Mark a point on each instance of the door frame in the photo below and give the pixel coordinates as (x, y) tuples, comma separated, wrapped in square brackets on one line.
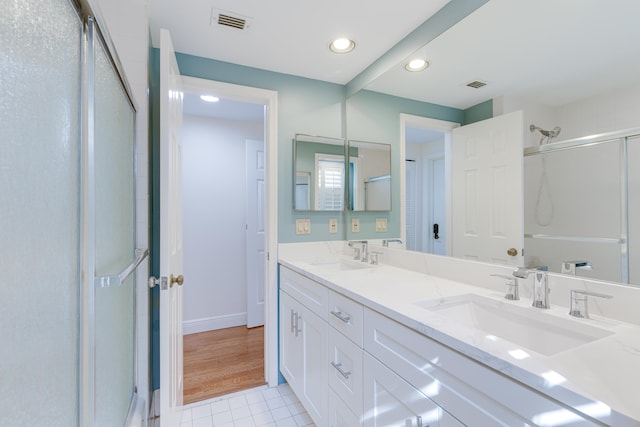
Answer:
[(269, 99), (433, 124)]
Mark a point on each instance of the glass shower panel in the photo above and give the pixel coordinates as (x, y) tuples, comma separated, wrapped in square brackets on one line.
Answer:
[(633, 162), (40, 48), (115, 237), (565, 192)]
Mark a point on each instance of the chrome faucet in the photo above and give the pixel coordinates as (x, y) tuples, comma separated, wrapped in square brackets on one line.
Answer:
[(510, 287), (579, 306), (360, 253), (386, 242), (569, 267), (540, 285)]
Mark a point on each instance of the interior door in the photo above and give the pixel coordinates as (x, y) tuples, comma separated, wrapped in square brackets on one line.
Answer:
[(438, 205), (255, 165), (171, 385), (487, 197)]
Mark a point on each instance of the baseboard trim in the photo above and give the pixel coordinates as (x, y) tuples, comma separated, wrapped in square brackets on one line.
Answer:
[(213, 323)]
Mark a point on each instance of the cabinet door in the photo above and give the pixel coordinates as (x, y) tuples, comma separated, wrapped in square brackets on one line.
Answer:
[(390, 401), (340, 415), (313, 333), (290, 345)]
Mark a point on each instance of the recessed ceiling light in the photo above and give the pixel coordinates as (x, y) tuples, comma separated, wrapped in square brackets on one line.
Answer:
[(209, 98), (342, 45), (417, 65)]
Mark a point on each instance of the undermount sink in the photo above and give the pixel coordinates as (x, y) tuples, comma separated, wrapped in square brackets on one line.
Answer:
[(341, 265), (524, 326)]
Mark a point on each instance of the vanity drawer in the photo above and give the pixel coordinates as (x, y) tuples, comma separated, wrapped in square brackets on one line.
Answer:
[(340, 415), (346, 316), (345, 370), (470, 391), (310, 293)]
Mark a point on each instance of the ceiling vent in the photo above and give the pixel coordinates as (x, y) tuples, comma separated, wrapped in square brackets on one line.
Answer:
[(229, 19), (476, 84)]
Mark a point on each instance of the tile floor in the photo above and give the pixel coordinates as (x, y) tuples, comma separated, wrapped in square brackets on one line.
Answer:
[(257, 407)]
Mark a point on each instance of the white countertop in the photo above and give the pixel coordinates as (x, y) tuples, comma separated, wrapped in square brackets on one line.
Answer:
[(606, 371)]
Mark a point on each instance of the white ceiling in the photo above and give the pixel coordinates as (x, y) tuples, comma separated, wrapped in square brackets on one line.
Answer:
[(551, 52), (291, 36), (224, 109)]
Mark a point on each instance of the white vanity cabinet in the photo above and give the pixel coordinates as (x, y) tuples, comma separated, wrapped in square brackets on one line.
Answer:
[(391, 401), (304, 342), (474, 394)]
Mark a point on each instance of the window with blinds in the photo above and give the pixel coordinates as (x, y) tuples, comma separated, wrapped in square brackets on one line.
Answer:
[(330, 183)]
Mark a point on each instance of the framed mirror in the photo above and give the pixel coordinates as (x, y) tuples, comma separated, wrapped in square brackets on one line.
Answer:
[(319, 173), (369, 173)]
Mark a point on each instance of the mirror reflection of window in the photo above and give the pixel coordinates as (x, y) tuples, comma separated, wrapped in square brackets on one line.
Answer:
[(302, 195), (330, 182)]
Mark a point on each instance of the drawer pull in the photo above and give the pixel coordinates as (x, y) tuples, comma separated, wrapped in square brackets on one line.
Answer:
[(343, 317), (292, 315), (338, 367)]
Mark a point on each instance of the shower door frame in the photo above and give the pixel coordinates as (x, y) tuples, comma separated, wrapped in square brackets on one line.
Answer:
[(95, 32)]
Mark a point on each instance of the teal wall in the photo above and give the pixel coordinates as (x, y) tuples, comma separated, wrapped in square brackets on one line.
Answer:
[(375, 117), (304, 106), (478, 112)]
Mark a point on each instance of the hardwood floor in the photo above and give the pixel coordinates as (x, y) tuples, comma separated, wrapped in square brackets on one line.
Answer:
[(222, 361)]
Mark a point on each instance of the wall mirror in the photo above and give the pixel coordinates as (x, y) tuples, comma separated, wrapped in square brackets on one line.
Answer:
[(369, 176), (501, 58), (319, 173)]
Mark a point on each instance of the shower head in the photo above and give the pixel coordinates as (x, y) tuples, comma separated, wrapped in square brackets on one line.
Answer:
[(547, 133)]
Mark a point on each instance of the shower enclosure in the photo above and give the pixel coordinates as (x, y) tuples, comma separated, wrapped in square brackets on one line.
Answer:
[(67, 220), (582, 203)]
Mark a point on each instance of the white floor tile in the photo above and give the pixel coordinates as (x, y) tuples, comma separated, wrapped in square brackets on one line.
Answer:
[(220, 406), (296, 408), (201, 411), (258, 408), (203, 422), (240, 412), (237, 402), (303, 419), (223, 418), (280, 413), (287, 422), (263, 418), (277, 402), (244, 422)]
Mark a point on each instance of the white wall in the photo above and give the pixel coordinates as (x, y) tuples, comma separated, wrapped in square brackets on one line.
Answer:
[(214, 221)]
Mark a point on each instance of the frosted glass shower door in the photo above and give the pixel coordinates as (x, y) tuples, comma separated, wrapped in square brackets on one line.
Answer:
[(40, 74), (114, 243)]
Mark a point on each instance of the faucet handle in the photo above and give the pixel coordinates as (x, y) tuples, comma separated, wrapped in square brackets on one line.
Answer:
[(373, 257), (579, 302), (511, 287)]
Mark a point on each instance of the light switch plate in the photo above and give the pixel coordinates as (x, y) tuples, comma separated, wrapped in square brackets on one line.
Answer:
[(355, 225), (303, 226), (381, 225), (333, 225)]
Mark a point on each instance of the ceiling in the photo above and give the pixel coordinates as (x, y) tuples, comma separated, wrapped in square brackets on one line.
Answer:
[(547, 51)]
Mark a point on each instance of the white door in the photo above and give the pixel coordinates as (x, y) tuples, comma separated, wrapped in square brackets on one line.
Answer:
[(487, 203), (255, 165), (171, 385), (411, 204), (438, 205)]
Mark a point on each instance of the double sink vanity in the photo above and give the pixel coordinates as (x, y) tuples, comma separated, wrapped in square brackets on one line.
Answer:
[(421, 340)]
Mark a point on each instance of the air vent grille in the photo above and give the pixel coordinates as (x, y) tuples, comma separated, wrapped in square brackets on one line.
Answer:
[(232, 21), (476, 84)]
